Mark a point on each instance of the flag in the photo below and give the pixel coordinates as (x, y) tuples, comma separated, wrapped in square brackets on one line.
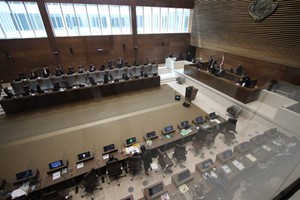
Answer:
[(222, 63)]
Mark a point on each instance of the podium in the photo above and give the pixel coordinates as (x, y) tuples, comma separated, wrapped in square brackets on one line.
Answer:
[(190, 95)]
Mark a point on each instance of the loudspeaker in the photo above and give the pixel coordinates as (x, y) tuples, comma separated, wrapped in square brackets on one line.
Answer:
[(188, 92), (186, 104), (177, 97)]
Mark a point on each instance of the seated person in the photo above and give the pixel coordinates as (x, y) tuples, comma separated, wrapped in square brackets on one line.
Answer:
[(111, 158), (45, 72), (245, 80), (80, 69), (120, 63), (102, 67), (220, 73), (8, 92), (59, 71), (33, 74), (214, 68), (239, 70), (92, 68), (210, 61), (71, 70)]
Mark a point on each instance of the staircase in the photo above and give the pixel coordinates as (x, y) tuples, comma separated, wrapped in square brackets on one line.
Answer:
[(166, 75)]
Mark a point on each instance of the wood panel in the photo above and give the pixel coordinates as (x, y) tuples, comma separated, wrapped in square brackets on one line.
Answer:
[(262, 70), (227, 26)]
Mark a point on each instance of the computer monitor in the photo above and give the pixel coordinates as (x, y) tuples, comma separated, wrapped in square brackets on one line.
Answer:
[(207, 164), (84, 155), (245, 145), (227, 154), (151, 134), (185, 124), (130, 141), (184, 175), (109, 147), (212, 115), (199, 120), (24, 174), (55, 164), (168, 129), (156, 189)]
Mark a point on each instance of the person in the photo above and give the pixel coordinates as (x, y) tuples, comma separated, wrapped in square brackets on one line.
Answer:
[(80, 69), (111, 158), (245, 80), (92, 68), (71, 70), (33, 74), (120, 63), (147, 159), (239, 70)]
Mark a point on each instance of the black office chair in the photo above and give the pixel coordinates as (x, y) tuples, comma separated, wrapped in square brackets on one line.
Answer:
[(165, 162), (134, 166), (198, 142), (230, 131), (90, 182), (179, 154), (114, 171), (55, 195)]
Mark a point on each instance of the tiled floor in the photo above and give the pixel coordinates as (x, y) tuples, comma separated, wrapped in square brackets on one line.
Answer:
[(246, 128)]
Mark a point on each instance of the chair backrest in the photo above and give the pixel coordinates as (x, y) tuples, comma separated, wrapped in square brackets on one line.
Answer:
[(90, 178), (114, 168), (134, 163), (179, 152), (53, 195), (231, 124), (161, 159)]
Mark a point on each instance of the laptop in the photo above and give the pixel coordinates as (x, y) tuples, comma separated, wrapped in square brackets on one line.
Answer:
[(56, 164), (84, 156), (24, 174), (150, 135), (109, 148), (130, 141), (168, 129), (156, 189), (199, 120), (207, 164), (212, 115), (185, 124)]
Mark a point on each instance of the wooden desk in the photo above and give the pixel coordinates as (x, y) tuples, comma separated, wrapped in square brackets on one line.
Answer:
[(223, 85), (27, 103)]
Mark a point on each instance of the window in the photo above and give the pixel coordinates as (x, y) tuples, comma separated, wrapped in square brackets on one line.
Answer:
[(88, 19), (20, 20), (162, 20)]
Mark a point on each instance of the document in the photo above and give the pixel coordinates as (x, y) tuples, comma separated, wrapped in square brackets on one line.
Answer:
[(265, 147), (250, 157), (226, 169), (165, 196), (80, 165), (238, 165), (56, 175), (183, 188), (105, 156), (17, 193)]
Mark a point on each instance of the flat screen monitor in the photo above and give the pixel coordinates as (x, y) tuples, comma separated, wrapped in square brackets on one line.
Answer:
[(207, 164), (184, 124), (245, 145), (156, 189), (24, 175), (151, 134), (199, 120), (131, 141), (168, 129), (56, 164), (184, 175), (84, 155), (212, 115), (109, 147), (227, 154)]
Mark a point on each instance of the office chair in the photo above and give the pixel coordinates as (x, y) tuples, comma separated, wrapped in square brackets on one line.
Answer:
[(90, 182), (114, 171), (134, 166), (179, 154), (54, 195), (165, 162), (197, 144), (230, 130)]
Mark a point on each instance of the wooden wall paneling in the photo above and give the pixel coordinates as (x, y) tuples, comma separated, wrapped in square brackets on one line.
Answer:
[(227, 26), (262, 70)]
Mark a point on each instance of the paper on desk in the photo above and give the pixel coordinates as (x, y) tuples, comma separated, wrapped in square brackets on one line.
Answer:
[(165, 196), (105, 156), (265, 147), (205, 126), (183, 188), (80, 165), (56, 175), (185, 132), (238, 165), (226, 169), (215, 120), (250, 157), (17, 193), (154, 165)]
